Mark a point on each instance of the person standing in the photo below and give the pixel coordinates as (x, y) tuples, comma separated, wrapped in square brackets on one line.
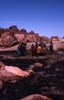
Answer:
[(51, 47), (39, 50)]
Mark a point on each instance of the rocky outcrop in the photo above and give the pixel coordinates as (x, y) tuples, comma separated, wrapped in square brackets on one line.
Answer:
[(23, 31), (55, 38), (14, 28), (12, 36)]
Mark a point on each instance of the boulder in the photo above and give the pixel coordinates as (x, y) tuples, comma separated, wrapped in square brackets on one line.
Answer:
[(7, 76), (36, 67), (12, 73), (37, 64), (16, 71), (36, 97)]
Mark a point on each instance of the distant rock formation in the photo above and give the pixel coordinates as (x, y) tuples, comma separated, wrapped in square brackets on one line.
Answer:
[(13, 28), (55, 38), (23, 31), (12, 36)]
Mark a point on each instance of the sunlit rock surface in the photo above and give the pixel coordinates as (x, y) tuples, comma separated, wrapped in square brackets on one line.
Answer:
[(16, 71)]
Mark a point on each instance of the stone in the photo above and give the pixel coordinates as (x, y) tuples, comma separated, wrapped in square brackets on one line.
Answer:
[(16, 71), (37, 64), (36, 97)]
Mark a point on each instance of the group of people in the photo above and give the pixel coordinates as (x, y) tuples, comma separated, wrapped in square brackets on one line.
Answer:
[(37, 49), (41, 48), (21, 49)]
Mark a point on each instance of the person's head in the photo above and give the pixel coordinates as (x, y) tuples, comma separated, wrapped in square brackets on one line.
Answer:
[(51, 41), (32, 44), (36, 43)]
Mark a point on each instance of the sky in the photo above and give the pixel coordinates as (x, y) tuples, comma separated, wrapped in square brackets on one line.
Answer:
[(45, 17)]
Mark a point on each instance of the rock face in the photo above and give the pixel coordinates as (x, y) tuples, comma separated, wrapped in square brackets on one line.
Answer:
[(46, 39), (7, 40), (9, 36), (19, 37), (30, 38)]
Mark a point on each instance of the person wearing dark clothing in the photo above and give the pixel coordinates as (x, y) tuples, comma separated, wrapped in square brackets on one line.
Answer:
[(18, 51), (23, 49), (33, 50), (51, 47)]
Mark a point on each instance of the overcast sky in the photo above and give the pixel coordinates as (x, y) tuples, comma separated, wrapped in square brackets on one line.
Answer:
[(45, 17)]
